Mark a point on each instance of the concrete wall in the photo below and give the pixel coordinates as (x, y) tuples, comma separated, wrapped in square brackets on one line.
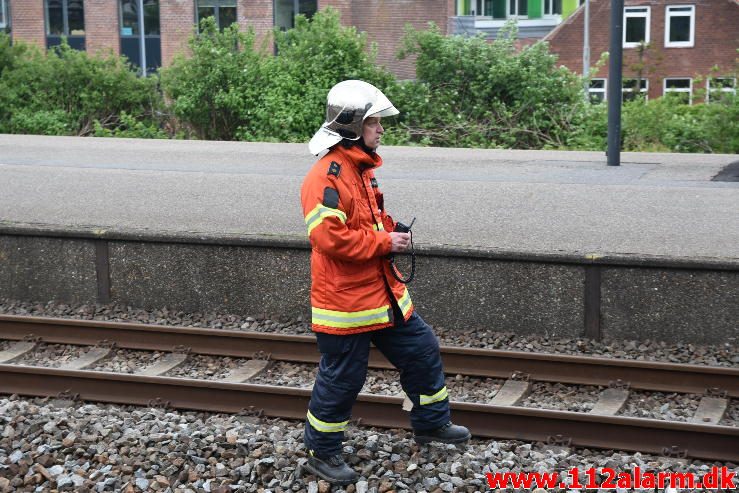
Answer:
[(558, 296)]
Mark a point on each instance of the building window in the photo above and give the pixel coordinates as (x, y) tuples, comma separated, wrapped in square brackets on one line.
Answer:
[(719, 87), (489, 8), (65, 18), (518, 8), (552, 7), (3, 14), (286, 10), (680, 26), (597, 90), (629, 89), (681, 89), (141, 42), (223, 11), (130, 17), (636, 26)]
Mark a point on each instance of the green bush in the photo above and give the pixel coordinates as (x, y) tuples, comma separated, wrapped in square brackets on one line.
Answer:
[(469, 93), (65, 91), (668, 125), (212, 92), (312, 57), (472, 93), (131, 128), (230, 90), (9, 53)]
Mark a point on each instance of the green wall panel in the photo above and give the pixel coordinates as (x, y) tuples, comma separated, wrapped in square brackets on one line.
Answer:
[(499, 9), (535, 8), (568, 7)]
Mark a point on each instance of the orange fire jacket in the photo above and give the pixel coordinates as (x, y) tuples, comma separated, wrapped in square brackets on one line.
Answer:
[(351, 278)]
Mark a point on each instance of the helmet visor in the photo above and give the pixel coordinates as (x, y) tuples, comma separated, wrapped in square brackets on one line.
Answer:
[(381, 107), (382, 113)]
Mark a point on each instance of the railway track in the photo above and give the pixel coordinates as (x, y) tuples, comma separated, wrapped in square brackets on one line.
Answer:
[(600, 428)]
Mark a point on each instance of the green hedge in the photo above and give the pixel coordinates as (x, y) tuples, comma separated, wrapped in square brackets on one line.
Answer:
[(67, 92), (468, 93)]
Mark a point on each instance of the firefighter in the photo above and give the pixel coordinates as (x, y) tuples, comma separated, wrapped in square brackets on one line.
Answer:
[(355, 299)]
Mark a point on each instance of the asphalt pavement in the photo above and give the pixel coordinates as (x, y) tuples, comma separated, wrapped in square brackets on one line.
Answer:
[(520, 201)]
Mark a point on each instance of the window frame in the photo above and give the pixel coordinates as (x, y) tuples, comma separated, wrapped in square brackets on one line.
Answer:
[(65, 21), (603, 91), (721, 89), (644, 91), (689, 90), (5, 22), (633, 13), (121, 34), (550, 12), (216, 5), (517, 4), (679, 44)]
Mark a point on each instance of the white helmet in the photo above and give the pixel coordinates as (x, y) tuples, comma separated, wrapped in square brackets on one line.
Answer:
[(348, 104)]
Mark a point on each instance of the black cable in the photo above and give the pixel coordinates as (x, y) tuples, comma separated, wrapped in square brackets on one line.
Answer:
[(395, 270)]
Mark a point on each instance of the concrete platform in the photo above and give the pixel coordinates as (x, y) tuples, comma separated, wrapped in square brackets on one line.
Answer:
[(528, 241)]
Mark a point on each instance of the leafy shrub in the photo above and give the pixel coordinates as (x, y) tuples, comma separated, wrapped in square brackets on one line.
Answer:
[(9, 53), (311, 58), (472, 93), (64, 91), (213, 92), (667, 125), (131, 128), (230, 90)]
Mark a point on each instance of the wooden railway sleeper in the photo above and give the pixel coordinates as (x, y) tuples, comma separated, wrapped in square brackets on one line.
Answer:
[(159, 403), (675, 452)]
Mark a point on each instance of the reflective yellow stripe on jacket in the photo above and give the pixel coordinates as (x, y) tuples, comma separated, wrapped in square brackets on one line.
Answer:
[(319, 213), (405, 302), (326, 427), (430, 399), (346, 320)]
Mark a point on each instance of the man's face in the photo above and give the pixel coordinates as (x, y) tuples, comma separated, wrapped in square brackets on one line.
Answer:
[(372, 132)]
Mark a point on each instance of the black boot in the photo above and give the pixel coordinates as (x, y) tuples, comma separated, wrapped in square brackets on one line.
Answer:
[(449, 433), (333, 469)]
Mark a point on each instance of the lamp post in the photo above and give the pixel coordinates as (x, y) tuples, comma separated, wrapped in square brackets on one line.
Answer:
[(614, 83), (586, 51), (142, 39)]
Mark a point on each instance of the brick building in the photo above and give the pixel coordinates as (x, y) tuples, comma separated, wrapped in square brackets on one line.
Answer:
[(114, 25), (97, 25), (711, 26), (682, 46)]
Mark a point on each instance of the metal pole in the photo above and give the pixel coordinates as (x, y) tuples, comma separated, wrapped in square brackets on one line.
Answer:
[(142, 39), (586, 51), (614, 83)]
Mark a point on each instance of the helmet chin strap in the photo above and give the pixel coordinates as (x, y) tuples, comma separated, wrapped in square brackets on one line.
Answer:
[(359, 142)]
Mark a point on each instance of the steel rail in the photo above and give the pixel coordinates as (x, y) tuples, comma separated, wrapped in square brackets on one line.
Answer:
[(580, 370), (580, 429)]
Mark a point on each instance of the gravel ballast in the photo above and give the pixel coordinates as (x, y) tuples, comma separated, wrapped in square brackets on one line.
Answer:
[(50, 445), (660, 405), (726, 354)]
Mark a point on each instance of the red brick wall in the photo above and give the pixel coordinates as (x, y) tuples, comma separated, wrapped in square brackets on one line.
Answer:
[(385, 20), (257, 14), (343, 6), (716, 40), (102, 26), (176, 24), (27, 22)]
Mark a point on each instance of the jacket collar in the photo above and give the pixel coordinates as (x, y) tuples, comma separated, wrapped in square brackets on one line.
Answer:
[(357, 156)]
